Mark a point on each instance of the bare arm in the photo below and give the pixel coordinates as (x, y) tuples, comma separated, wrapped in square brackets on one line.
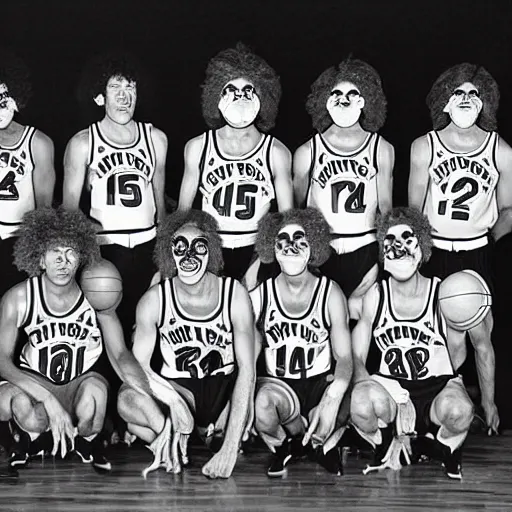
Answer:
[(160, 144), (301, 168), (503, 225), (418, 176), (386, 162), (75, 165), (191, 174), (362, 333), (44, 170), (281, 163)]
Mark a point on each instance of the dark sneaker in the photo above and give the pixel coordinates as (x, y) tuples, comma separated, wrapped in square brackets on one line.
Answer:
[(93, 452), (452, 464), (83, 449), (279, 460), (297, 450), (42, 445), (332, 461), (379, 452)]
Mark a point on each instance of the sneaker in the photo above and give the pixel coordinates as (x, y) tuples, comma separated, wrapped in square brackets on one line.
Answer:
[(281, 457), (297, 450), (452, 464), (379, 452), (83, 449), (331, 461), (93, 452), (42, 445)]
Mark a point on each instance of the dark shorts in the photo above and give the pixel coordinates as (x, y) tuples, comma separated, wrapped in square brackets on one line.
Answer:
[(443, 263), (237, 261), (9, 274), (309, 391), (211, 394), (349, 269)]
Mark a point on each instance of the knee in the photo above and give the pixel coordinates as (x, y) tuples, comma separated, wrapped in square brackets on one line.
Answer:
[(93, 389), (21, 405), (366, 407), (455, 414), (264, 404)]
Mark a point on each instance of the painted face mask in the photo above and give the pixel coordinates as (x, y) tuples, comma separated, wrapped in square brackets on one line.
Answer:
[(7, 107), (239, 103), (345, 104), (292, 250), (190, 253), (464, 105), (402, 252)]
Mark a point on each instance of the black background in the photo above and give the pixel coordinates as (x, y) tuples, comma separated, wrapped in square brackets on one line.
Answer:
[(409, 42)]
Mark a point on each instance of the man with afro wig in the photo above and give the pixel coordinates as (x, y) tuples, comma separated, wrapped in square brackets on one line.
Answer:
[(345, 171), (236, 170), (303, 336)]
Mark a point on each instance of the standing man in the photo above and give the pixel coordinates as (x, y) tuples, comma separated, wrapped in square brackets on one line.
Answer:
[(303, 321), (204, 328), (345, 171), (238, 169), (119, 166), (55, 389), (27, 174), (461, 178)]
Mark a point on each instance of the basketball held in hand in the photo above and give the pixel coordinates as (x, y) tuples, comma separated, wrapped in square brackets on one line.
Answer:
[(102, 285), (465, 299)]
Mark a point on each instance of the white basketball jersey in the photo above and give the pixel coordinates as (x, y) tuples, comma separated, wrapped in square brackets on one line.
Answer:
[(16, 187), (195, 347), (461, 197), (239, 191), (120, 181), (296, 346), (343, 186), (60, 346), (415, 348)]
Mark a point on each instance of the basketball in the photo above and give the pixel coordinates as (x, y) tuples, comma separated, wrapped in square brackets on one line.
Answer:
[(464, 299), (102, 285)]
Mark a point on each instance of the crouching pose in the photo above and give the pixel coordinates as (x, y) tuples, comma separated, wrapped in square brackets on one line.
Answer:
[(416, 390), (55, 390), (302, 319), (204, 328)]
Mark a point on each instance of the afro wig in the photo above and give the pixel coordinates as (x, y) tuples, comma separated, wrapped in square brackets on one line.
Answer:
[(240, 62), (315, 227), (16, 76), (411, 217), (45, 228), (365, 78), (452, 78), (162, 255)]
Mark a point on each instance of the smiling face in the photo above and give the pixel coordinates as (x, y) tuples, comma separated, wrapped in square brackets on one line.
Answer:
[(60, 264), (191, 253), (239, 103), (119, 100), (292, 250), (464, 105), (345, 104), (402, 252), (7, 107)]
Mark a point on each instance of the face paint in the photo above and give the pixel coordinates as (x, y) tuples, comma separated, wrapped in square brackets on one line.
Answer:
[(292, 250), (7, 107), (402, 252), (464, 105), (345, 104), (239, 103), (119, 100), (190, 252)]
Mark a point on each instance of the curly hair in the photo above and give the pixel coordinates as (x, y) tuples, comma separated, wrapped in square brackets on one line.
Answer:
[(162, 255), (315, 227), (365, 78), (45, 228), (413, 218), (452, 78), (16, 76), (100, 69), (240, 62)]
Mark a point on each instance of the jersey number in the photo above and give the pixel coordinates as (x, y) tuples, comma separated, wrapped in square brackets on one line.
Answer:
[(186, 356), (460, 210), (127, 187), (300, 361), (417, 358), (8, 190), (355, 200), (244, 197), (57, 363)]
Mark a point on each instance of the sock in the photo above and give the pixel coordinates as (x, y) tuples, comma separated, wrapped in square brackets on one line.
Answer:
[(452, 441)]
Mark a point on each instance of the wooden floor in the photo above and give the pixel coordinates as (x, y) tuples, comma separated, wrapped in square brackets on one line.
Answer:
[(72, 486)]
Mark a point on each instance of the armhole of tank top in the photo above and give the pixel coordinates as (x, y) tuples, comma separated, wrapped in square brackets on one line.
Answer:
[(383, 296), (91, 144), (204, 151), (29, 138), (494, 150), (146, 129), (227, 290), (375, 156), (431, 145), (438, 319), (269, 142), (162, 300), (312, 154), (263, 308), (31, 298), (325, 301)]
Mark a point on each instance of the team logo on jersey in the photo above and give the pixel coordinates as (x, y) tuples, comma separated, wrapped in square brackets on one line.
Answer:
[(124, 161), (339, 167), (208, 336), (14, 161)]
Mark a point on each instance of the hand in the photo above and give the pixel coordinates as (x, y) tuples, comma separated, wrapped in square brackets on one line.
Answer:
[(492, 418), (323, 420), (61, 426), (221, 465)]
